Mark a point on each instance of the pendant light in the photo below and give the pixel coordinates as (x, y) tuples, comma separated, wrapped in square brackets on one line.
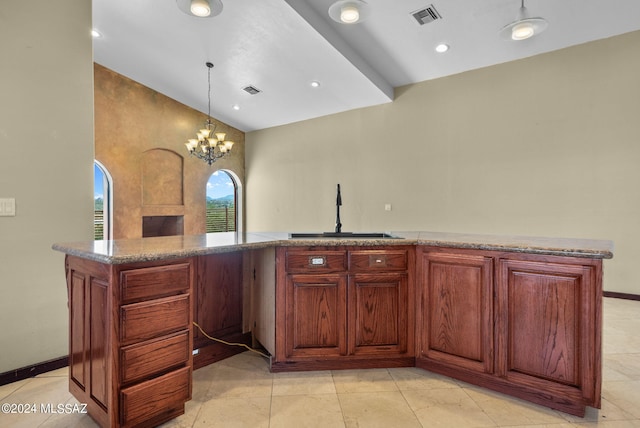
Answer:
[(524, 26)]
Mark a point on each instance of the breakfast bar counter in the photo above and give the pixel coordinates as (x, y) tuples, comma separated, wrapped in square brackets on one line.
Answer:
[(167, 247), (519, 315)]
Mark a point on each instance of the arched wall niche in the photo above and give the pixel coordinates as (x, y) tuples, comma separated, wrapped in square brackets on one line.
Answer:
[(162, 178)]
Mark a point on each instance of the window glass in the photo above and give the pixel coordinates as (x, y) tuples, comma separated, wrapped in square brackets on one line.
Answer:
[(221, 203), (101, 202)]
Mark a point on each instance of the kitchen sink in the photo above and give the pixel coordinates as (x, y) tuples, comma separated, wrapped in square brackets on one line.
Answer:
[(363, 235)]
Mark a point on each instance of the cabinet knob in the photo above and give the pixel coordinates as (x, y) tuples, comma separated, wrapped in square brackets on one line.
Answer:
[(377, 260)]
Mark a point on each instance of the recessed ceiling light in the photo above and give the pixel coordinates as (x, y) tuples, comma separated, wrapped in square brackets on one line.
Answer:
[(349, 11), (200, 8), (235, 107), (442, 47), (315, 84), (95, 34)]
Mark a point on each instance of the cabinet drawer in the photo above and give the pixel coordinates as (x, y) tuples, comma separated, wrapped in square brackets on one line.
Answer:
[(162, 395), (145, 320), (372, 260), (154, 356), (316, 261), (156, 281)]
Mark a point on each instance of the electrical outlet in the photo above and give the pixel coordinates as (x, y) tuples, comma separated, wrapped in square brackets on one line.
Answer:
[(8, 207), (387, 207)]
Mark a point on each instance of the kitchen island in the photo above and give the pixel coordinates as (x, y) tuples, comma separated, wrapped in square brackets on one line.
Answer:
[(519, 315)]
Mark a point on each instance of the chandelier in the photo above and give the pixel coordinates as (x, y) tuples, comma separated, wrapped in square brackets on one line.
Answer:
[(208, 144)]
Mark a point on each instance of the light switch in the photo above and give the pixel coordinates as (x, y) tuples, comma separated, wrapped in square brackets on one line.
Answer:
[(7, 207), (387, 207)]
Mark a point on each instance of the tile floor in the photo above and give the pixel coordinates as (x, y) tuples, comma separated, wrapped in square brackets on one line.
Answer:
[(240, 392)]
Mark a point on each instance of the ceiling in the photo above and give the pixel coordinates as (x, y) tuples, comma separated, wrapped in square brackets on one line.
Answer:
[(281, 46)]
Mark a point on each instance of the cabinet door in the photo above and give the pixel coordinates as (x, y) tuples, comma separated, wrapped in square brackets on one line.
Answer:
[(457, 310), (546, 336), (90, 335), (378, 312), (316, 315)]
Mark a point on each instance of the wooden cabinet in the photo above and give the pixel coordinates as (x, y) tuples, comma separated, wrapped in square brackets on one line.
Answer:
[(141, 360), (522, 324), (91, 359), (155, 342), (317, 309), (548, 327), (345, 307), (313, 304), (456, 310), (143, 313), (156, 400), (378, 314), (379, 299)]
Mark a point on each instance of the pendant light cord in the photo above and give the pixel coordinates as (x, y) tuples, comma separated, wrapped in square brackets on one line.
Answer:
[(210, 65)]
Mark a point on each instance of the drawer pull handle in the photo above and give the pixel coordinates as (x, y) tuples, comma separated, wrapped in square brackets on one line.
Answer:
[(317, 261), (377, 260)]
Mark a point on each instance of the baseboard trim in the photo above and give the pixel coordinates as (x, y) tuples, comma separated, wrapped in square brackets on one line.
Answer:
[(617, 295), (33, 370)]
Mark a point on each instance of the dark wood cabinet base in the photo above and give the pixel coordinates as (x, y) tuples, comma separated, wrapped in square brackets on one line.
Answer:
[(213, 352), (558, 397), (520, 323), (342, 364)]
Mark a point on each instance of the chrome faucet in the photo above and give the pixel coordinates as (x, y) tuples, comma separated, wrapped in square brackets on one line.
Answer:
[(338, 203)]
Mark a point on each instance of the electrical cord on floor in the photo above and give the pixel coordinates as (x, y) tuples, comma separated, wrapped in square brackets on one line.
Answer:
[(230, 343)]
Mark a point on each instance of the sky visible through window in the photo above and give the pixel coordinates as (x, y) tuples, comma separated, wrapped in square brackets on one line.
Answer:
[(219, 185), (98, 182)]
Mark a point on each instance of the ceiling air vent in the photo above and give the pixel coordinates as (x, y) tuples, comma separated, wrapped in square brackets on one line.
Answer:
[(426, 15), (252, 90)]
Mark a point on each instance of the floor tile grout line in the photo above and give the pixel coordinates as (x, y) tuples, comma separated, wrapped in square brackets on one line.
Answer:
[(466, 392), (26, 382), (335, 388), (52, 415), (270, 403), (404, 397)]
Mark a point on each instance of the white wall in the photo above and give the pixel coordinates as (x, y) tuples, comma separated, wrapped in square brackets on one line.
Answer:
[(545, 146), (46, 164)]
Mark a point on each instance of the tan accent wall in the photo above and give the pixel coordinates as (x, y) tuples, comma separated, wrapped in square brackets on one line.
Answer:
[(544, 146), (140, 136)]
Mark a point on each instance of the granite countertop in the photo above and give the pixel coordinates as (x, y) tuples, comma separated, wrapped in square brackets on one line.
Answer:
[(169, 247)]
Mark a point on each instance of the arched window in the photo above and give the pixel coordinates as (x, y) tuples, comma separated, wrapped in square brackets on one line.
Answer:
[(222, 202), (102, 200)]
